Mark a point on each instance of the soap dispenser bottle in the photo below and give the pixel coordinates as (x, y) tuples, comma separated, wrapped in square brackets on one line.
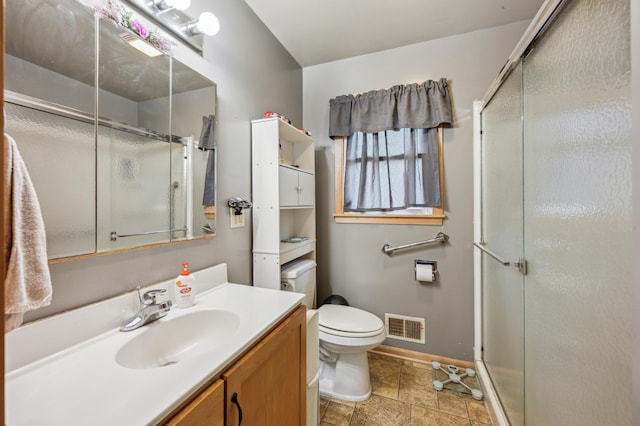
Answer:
[(184, 288)]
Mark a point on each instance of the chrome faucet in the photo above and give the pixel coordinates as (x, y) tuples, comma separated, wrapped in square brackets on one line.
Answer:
[(150, 310)]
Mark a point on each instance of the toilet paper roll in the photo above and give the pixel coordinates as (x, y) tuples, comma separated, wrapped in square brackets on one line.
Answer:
[(424, 272)]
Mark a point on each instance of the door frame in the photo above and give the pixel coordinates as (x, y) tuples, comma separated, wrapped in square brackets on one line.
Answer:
[(497, 413)]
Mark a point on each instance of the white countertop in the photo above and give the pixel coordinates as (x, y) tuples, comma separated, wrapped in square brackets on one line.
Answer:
[(84, 385)]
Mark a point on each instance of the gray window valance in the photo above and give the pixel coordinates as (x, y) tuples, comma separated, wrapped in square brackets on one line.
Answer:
[(413, 106)]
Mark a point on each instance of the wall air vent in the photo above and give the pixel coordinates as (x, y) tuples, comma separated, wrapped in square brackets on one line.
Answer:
[(406, 328)]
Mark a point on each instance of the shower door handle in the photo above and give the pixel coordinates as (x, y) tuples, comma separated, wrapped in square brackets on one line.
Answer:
[(521, 263)]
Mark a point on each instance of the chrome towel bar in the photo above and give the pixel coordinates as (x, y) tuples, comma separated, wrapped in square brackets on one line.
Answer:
[(115, 235), (521, 263), (439, 238)]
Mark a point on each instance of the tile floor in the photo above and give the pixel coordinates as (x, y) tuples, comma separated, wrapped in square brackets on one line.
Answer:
[(403, 394)]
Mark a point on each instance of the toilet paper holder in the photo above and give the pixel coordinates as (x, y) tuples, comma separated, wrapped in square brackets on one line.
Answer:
[(434, 268)]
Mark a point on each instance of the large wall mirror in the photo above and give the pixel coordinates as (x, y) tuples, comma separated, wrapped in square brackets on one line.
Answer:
[(109, 135)]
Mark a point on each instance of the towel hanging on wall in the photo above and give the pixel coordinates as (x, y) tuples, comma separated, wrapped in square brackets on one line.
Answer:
[(28, 280)]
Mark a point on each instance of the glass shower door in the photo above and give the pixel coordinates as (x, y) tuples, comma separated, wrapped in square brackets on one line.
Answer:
[(578, 218), (502, 237)]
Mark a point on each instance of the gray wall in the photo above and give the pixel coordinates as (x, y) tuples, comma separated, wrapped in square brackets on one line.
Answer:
[(635, 84), (254, 73), (350, 262)]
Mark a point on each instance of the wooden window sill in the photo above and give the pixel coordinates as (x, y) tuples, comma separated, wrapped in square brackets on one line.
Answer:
[(390, 219)]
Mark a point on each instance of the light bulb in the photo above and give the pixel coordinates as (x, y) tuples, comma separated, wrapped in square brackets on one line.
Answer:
[(179, 4), (208, 23)]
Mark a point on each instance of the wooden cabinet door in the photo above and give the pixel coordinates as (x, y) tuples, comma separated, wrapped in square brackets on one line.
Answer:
[(206, 410), (268, 385)]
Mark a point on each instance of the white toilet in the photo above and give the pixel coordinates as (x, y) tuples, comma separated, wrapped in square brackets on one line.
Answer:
[(345, 333)]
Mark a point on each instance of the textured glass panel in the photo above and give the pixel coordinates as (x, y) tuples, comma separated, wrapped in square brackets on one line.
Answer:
[(60, 156), (578, 218), (502, 228), (135, 189)]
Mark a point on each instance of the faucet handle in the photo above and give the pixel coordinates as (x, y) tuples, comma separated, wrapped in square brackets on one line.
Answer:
[(149, 297)]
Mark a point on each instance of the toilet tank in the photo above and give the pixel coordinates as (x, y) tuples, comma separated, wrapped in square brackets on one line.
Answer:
[(300, 276)]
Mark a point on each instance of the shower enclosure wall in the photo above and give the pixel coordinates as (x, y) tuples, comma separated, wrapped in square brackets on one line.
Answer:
[(553, 150)]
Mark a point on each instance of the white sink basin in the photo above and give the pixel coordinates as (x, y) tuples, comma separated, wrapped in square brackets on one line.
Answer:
[(167, 342), (196, 345)]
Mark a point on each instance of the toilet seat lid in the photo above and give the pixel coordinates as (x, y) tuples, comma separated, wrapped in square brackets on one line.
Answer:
[(347, 320)]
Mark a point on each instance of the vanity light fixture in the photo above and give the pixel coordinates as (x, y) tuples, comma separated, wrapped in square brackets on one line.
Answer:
[(172, 4), (172, 17), (141, 45), (207, 23)]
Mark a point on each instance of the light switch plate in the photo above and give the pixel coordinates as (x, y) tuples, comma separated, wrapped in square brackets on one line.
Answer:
[(237, 220)]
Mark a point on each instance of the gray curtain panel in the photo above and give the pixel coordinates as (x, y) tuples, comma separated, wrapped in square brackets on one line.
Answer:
[(392, 170), (392, 160)]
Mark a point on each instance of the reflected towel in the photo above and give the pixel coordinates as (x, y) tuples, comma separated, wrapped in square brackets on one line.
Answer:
[(209, 195), (206, 140), (207, 143), (28, 281)]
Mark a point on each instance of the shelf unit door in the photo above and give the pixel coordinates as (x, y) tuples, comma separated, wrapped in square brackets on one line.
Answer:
[(289, 187), (296, 188), (306, 185)]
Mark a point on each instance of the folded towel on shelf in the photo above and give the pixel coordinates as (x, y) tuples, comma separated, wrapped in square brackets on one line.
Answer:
[(28, 281), (294, 240)]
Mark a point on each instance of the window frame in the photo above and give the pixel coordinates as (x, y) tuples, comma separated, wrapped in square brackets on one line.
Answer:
[(436, 218)]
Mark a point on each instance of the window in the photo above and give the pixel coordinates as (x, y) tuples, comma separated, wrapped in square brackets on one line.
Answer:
[(389, 177), (389, 154)]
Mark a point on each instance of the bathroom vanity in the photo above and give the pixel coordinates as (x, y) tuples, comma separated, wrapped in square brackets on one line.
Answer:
[(267, 383), (239, 348)]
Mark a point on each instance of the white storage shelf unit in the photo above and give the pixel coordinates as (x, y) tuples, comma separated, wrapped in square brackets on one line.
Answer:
[(283, 192)]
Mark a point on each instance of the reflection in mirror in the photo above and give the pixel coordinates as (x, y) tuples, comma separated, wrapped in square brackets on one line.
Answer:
[(57, 143), (134, 149), (193, 98), (47, 142), (117, 166)]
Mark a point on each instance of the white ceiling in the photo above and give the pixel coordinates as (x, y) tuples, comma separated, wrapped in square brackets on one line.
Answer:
[(318, 31)]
